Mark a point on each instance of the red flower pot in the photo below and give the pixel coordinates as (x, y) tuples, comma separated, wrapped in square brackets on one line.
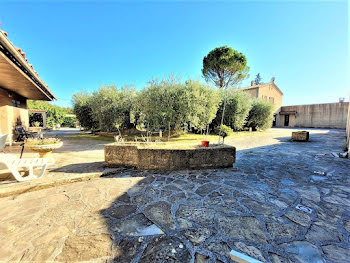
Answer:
[(205, 143)]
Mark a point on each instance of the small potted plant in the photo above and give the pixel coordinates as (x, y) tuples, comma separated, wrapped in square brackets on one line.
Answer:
[(44, 146), (224, 131), (205, 143)]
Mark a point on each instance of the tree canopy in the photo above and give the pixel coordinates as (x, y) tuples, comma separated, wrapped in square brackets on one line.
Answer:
[(170, 102), (261, 115), (225, 66), (82, 109), (167, 104), (238, 105)]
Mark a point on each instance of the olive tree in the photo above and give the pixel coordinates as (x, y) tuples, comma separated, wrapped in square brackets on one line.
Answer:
[(261, 115), (203, 103), (172, 104), (111, 107), (238, 105), (107, 109), (162, 104), (126, 115), (82, 109)]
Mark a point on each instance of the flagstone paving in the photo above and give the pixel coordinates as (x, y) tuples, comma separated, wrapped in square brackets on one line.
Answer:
[(193, 216)]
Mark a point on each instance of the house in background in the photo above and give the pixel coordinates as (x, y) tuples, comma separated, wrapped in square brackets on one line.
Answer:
[(325, 115), (18, 83), (267, 92)]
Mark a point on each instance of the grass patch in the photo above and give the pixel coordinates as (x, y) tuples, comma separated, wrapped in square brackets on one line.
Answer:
[(183, 138), (201, 137)]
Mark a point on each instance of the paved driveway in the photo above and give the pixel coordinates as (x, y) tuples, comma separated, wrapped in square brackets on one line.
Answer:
[(195, 216)]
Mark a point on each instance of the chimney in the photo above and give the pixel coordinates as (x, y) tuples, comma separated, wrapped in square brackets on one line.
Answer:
[(341, 100), (252, 83)]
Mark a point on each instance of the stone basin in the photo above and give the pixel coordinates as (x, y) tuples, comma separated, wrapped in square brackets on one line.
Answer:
[(44, 150), (165, 156), (300, 136)]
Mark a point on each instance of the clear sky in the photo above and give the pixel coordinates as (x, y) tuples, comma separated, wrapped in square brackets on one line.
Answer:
[(82, 45)]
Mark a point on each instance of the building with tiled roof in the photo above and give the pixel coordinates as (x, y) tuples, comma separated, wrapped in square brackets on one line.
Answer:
[(18, 83), (325, 115), (267, 92)]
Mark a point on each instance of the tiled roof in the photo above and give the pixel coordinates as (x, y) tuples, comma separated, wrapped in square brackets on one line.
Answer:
[(29, 67), (262, 85), (20, 51)]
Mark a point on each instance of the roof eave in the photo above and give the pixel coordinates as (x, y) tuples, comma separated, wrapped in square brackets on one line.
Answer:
[(276, 87), (12, 49)]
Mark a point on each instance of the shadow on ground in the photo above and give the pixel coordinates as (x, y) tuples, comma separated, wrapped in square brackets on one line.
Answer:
[(88, 167)]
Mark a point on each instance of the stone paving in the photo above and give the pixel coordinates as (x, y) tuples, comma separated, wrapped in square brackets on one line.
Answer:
[(193, 216)]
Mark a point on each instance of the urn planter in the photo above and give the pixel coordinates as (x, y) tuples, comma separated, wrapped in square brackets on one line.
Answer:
[(44, 150)]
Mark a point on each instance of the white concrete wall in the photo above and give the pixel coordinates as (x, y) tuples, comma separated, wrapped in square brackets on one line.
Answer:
[(328, 115)]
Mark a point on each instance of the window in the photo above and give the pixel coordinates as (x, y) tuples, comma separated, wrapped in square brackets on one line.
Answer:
[(16, 103)]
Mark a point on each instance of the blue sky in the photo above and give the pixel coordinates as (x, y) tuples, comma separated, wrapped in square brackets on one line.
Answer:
[(82, 45)]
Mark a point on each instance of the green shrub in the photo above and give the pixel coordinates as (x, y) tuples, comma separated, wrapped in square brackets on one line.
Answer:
[(237, 109), (223, 129), (69, 121), (83, 111), (261, 115)]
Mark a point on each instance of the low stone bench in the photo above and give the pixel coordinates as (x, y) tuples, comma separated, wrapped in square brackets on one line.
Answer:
[(300, 136), (160, 156)]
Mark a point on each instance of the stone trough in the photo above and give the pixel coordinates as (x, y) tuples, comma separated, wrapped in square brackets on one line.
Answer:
[(300, 136), (163, 156)]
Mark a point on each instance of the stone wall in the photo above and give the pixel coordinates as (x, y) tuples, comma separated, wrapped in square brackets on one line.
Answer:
[(328, 115), (253, 91), (121, 155), (271, 94), (267, 92), (148, 158)]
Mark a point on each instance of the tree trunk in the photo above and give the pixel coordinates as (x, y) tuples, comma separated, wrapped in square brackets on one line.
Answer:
[(169, 132)]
